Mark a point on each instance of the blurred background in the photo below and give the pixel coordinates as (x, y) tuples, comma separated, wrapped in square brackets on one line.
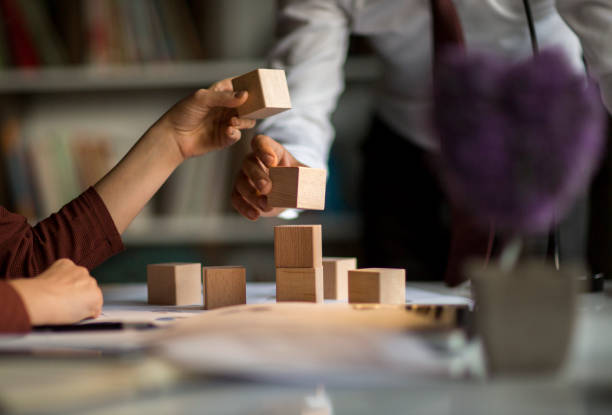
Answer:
[(81, 80)]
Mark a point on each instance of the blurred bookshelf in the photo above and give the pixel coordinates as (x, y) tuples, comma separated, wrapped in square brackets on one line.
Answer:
[(231, 228), (82, 80), (151, 75)]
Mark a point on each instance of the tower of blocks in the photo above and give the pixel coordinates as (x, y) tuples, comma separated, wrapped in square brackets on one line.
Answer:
[(377, 285), (297, 187), (268, 93), (299, 267), (224, 286), (335, 277), (174, 283)]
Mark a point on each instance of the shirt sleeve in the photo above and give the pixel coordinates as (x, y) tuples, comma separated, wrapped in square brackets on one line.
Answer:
[(591, 20), (312, 45), (13, 315), (82, 231)]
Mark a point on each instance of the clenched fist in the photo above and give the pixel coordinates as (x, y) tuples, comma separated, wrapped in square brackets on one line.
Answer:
[(65, 293), (253, 184)]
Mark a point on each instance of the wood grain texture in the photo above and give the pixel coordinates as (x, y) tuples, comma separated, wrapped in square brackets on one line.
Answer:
[(335, 277), (268, 93), (224, 286), (174, 283), (297, 187), (299, 284), (298, 246), (377, 285)]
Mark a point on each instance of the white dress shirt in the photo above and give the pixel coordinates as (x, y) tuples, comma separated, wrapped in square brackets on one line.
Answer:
[(313, 43)]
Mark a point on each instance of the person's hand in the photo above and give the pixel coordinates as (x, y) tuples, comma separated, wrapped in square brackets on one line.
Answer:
[(63, 294), (253, 184), (207, 119)]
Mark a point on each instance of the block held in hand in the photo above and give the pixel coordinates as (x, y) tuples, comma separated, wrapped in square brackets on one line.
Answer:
[(297, 187), (268, 93)]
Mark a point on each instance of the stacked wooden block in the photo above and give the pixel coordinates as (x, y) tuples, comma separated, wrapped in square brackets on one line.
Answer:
[(299, 267), (335, 276), (179, 283)]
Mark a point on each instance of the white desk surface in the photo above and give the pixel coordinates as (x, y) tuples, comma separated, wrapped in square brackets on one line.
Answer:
[(142, 383)]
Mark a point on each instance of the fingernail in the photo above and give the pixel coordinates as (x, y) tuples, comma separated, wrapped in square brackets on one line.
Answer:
[(239, 94), (261, 184)]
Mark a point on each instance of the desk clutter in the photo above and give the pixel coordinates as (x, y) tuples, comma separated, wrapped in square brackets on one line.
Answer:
[(302, 273)]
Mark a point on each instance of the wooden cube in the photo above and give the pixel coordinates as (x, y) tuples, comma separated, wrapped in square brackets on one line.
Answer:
[(268, 93), (224, 286), (174, 283), (299, 284), (377, 285), (335, 277), (297, 187), (298, 246)]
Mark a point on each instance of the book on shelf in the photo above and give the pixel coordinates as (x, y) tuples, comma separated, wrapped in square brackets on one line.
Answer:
[(19, 38), (37, 33), (46, 172), (199, 187), (64, 165), (16, 168), (45, 37)]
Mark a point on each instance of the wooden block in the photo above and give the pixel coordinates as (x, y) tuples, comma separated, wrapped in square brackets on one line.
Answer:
[(174, 283), (335, 277), (224, 286), (377, 285), (298, 246), (299, 284), (297, 187), (268, 93)]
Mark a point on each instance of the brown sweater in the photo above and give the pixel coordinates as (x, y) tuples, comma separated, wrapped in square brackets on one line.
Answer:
[(82, 231)]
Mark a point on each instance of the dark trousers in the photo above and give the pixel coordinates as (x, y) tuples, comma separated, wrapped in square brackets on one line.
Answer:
[(406, 215), (407, 218)]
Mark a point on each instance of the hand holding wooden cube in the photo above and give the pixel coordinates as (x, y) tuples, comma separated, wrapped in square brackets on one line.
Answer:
[(268, 93), (297, 187)]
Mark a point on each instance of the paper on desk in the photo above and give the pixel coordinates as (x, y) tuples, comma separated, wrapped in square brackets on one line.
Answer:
[(266, 292), (302, 341), (127, 305), (77, 343), (156, 315), (419, 296)]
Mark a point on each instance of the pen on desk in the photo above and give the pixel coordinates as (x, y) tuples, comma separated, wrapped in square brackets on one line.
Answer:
[(100, 326)]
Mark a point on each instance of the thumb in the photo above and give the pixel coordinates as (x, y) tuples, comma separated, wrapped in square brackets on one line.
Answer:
[(271, 152), (228, 99)]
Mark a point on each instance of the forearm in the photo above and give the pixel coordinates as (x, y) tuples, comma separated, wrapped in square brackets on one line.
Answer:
[(312, 50), (82, 230), (136, 178), (591, 20)]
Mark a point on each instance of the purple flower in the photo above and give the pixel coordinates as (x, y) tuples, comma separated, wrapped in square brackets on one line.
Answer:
[(518, 141)]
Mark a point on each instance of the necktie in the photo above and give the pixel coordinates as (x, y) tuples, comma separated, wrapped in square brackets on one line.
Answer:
[(447, 30), (467, 240)]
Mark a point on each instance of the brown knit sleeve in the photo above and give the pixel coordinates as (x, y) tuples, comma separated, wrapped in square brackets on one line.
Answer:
[(13, 315), (82, 231)]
